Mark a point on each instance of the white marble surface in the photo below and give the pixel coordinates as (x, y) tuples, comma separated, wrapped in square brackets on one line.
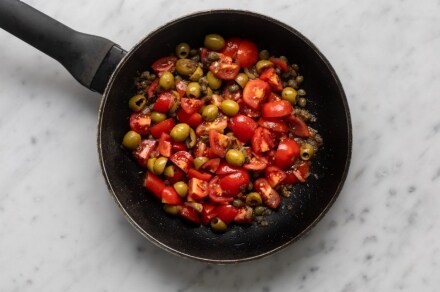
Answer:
[(61, 231)]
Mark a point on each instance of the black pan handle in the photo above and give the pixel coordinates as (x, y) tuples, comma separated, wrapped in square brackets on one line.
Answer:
[(90, 59)]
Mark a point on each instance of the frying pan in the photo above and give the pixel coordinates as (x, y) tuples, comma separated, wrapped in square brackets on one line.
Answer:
[(104, 67)]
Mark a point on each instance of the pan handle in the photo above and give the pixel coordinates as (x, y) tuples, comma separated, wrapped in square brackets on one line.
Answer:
[(90, 59)]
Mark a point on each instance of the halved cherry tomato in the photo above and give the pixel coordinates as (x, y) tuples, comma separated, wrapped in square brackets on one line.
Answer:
[(165, 145), (247, 54), (274, 124), (216, 193), (178, 175), (162, 127), (226, 168), (191, 105), (197, 189), (300, 173), (154, 184), (298, 126), (201, 149), (257, 162), (143, 151), (170, 196), (280, 63), (219, 125), (274, 175), (218, 143), (151, 90), (226, 213), (193, 120), (255, 93), (140, 123), (231, 47), (243, 127), (179, 146), (164, 102), (181, 87), (164, 64), (224, 70), (277, 109), (211, 165), (270, 197), (234, 183), (208, 213), (247, 111), (244, 215), (194, 173), (189, 214), (262, 140), (182, 159), (286, 154), (270, 76)]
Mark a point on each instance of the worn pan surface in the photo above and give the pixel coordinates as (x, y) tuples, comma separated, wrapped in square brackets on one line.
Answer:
[(308, 202)]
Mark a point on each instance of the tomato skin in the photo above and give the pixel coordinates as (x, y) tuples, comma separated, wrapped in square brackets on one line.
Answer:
[(270, 197), (218, 143), (274, 175), (193, 120), (194, 173), (197, 188), (277, 109), (298, 126), (286, 154), (162, 127), (231, 47), (232, 184), (191, 105), (247, 54), (182, 159), (226, 168), (154, 184), (179, 146), (274, 124), (164, 64), (262, 140), (140, 123), (255, 93), (170, 196), (299, 174), (164, 102), (280, 63), (143, 151), (208, 213), (189, 214), (151, 90), (226, 213), (243, 127), (165, 145)]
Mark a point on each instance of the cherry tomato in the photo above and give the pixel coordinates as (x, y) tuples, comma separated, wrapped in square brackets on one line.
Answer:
[(274, 124), (286, 154), (224, 70), (219, 125), (277, 109), (181, 87), (151, 90), (270, 197), (164, 102), (257, 162), (165, 145), (247, 54), (226, 213), (164, 64), (280, 63), (298, 126), (179, 146), (244, 215), (226, 168), (234, 183), (243, 127), (270, 76), (194, 173), (211, 165), (191, 105), (162, 127), (208, 213), (197, 188), (231, 47), (140, 123), (154, 184), (179, 175), (193, 120), (274, 175), (170, 196), (255, 93), (189, 214), (183, 160), (262, 140), (218, 143), (143, 151), (300, 173), (216, 193)]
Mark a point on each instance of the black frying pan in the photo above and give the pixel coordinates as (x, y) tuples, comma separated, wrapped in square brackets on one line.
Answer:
[(102, 66)]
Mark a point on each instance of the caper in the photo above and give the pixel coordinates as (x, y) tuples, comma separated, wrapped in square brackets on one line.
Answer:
[(199, 161), (150, 163), (214, 42), (197, 74), (169, 171), (137, 102), (253, 199), (289, 94), (186, 67), (159, 165), (172, 209), (299, 79), (131, 140), (306, 151), (295, 67), (237, 203), (259, 210), (182, 50), (193, 89), (235, 157), (210, 112), (192, 139), (181, 188), (233, 88), (242, 79), (301, 92), (218, 225), (264, 55), (292, 83), (158, 117), (166, 81), (213, 82), (212, 57), (229, 107), (193, 52), (263, 64), (302, 102), (180, 132)]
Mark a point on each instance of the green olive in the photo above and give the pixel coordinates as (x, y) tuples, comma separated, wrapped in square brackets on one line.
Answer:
[(180, 132), (159, 165), (181, 188), (186, 67), (193, 89), (213, 82), (137, 103), (169, 171), (192, 139), (264, 55), (197, 74), (214, 42), (242, 79), (229, 107), (235, 157), (158, 117), (166, 81), (253, 199), (182, 50), (172, 209), (210, 112), (218, 225), (289, 94), (150, 163), (306, 151), (263, 64), (131, 140)]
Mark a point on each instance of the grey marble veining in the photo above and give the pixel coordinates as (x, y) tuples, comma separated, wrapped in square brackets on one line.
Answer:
[(61, 231)]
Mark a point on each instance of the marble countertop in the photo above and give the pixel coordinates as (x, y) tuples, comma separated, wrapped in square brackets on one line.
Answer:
[(61, 231)]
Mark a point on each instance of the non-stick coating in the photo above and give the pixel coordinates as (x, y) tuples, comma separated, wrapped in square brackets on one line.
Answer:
[(307, 203)]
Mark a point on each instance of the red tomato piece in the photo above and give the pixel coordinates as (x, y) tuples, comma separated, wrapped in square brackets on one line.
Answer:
[(280, 63), (208, 213), (140, 123), (290, 178), (164, 64), (270, 76), (226, 213), (219, 125), (234, 183), (197, 188), (151, 90), (231, 47), (179, 175), (255, 93), (257, 163), (165, 145), (170, 196), (181, 87), (226, 168), (189, 214), (193, 120), (244, 215), (182, 159), (274, 124), (262, 140), (277, 109), (243, 127), (301, 171), (224, 70), (201, 149), (164, 102), (298, 126), (154, 184), (211, 165), (179, 146), (143, 151), (204, 55), (162, 127), (247, 54), (218, 143), (216, 193), (274, 175), (270, 197), (194, 173), (216, 100), (286, 154), (191, 105)]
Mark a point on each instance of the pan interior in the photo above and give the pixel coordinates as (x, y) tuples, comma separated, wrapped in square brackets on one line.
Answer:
[(307, 202)]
